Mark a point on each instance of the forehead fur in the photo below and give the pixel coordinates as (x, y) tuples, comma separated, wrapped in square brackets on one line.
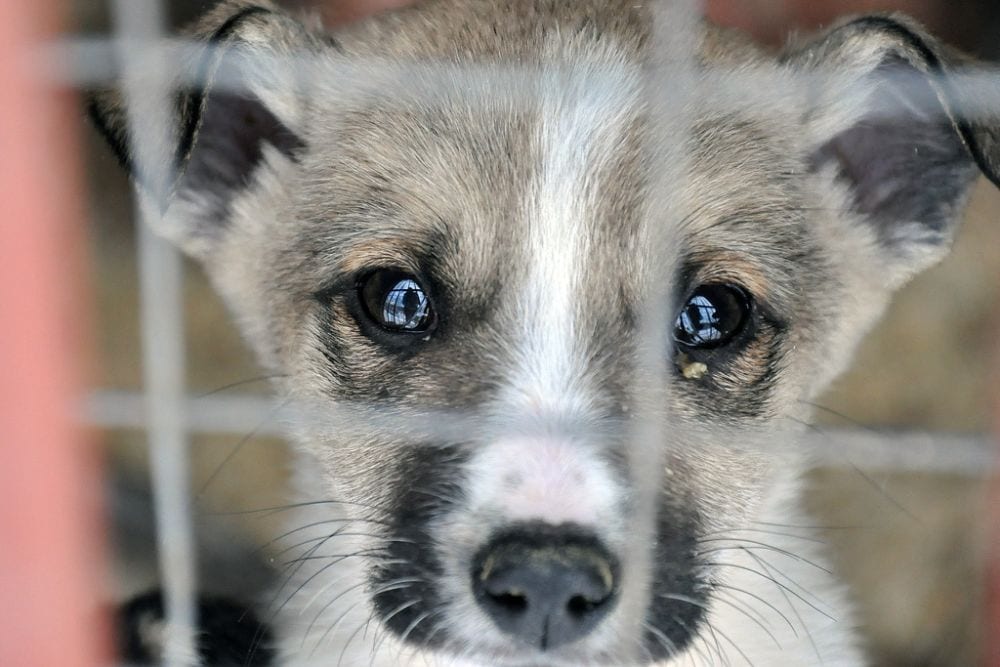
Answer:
[(515, 31), (453, 178), (438, 153)]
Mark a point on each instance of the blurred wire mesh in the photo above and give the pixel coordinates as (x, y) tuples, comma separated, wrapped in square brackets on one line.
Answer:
[(909, 529)]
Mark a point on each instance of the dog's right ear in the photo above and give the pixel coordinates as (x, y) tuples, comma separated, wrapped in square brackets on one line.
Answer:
[(235, 103)]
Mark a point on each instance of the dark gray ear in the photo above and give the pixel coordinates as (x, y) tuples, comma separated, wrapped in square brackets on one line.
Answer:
[(908, 130), (232, 94)]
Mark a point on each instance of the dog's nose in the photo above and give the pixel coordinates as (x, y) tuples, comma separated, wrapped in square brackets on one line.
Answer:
[(545, 585)]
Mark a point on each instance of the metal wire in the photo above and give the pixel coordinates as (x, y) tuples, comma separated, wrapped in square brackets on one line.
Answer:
[(140, 22)]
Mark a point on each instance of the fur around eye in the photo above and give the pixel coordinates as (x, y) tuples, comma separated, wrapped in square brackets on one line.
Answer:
[(396, 301), (712, 316)]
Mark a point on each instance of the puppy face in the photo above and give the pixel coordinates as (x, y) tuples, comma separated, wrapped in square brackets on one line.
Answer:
[(550, 343)]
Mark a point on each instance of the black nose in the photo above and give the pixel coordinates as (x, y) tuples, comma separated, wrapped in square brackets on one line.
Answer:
[(546, 585)]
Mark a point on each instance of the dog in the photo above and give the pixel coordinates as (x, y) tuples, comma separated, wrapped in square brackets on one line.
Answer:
[(551, 285)]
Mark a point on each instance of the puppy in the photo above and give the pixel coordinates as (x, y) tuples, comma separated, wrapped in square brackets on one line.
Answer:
[(550, 286)]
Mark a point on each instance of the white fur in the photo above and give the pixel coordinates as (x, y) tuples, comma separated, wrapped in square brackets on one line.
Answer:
[(579, 127), (800, 616), (549, 479)]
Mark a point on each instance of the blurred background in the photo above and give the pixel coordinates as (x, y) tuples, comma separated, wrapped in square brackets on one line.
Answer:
[(911, 544)]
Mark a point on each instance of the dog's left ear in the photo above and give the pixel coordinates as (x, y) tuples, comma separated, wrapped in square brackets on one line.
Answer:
[(894, 120)]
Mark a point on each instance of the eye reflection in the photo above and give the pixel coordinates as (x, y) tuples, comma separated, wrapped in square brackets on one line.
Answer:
[(396, 301), (712, 316), (700, 319), (406, 306)]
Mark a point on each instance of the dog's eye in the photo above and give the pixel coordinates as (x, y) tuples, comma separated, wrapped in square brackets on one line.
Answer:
[(396, 301), (712, 316)]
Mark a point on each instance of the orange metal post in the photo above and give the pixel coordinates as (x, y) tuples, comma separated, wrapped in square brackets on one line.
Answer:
[(49, 491)]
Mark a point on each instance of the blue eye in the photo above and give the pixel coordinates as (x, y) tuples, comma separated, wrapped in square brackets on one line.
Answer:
[(396, 301), (712, 316)]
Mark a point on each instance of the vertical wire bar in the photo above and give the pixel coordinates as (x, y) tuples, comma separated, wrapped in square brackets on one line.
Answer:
[(991, 631), (668, 87), (50, 561), (139, 24), (163, 360)]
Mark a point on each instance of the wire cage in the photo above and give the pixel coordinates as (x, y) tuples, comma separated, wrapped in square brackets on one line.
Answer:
[(907, 497)]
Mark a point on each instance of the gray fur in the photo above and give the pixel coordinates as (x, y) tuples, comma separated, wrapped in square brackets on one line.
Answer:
[(428, 139)]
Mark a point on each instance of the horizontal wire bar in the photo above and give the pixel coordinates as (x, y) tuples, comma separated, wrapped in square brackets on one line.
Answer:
[(899, 451), (214, 414), (906, 451), (91, 62)]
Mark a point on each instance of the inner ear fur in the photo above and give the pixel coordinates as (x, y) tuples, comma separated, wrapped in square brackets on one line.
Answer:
[(910, 151), (243, 97)]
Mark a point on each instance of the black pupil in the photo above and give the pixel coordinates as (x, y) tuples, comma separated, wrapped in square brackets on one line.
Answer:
[(712, 316), (397, 301)]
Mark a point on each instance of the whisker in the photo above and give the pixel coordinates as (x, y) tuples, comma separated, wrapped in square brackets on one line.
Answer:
[(331, 584), (758, 621), (299, 566), (641, 644), (819, 527), (708, 647), (779, 572), (313, 539), (240, 383), (840, 415), (276, 509), (782, 589), (696, 645), (761, 545), (398, 584), (735, 646), (330, 603), (697, 603), (765, 531), (238, 447), (426, 643), (879, 488), (776, 583), (760, 599), (372, 552), (413, 626), (363, 627), (665, 641)]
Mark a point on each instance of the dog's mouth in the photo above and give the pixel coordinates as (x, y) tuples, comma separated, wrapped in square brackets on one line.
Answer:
[(541, 594), (544, 603)]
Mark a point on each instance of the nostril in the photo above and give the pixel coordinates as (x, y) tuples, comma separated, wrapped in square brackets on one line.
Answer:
[(515, 603), (580, 605)]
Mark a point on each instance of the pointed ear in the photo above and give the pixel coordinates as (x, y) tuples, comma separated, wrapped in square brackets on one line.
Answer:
[(897, 122), (234, 93)]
